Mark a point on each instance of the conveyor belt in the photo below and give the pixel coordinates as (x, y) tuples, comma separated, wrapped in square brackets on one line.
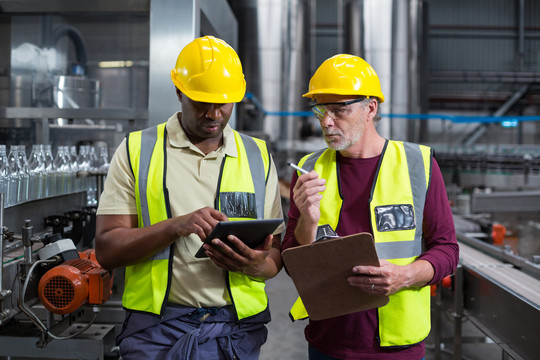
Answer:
[(506, 275), (503, 301)]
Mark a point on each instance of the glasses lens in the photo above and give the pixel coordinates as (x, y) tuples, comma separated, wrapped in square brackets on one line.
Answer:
[(334, 110), (319, 111)]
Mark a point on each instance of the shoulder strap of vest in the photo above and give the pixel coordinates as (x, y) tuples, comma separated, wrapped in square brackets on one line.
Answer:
[(311, 159), (258, 167), (147, 142), (378, 169), (128, 154), (258, 174), (417, 174)]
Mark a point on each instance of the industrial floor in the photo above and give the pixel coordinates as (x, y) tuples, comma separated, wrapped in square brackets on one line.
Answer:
[(286, 339)]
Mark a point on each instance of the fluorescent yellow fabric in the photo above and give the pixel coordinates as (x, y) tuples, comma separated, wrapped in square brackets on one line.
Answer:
[(187, 168), (405, 320), (248, 295), (326, 168), (146, 283)]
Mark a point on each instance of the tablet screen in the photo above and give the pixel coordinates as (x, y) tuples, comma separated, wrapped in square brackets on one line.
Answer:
[(251, 232)]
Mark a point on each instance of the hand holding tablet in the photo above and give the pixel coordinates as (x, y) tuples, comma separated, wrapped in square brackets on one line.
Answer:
[(251, 232)]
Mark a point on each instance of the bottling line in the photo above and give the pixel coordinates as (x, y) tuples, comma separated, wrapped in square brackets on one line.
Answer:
[(76, 76)]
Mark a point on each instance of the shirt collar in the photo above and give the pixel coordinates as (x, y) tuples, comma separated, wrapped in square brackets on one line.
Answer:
[(178, 138)]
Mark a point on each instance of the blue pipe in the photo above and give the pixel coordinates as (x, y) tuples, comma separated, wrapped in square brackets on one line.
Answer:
[(453, 118)]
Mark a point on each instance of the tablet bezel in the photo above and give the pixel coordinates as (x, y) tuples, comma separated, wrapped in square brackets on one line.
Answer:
[(251, 232)]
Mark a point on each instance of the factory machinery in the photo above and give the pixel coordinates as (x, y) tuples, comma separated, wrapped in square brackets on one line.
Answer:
[(54, 292), (76, 73), (494, 192)]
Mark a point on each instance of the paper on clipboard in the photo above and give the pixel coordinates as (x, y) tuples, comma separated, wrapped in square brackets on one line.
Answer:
[(320, 270)]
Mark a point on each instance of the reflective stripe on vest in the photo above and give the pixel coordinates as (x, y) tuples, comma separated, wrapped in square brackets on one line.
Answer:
[(147, 283), (247, 295), (248, 204), (400, 186)]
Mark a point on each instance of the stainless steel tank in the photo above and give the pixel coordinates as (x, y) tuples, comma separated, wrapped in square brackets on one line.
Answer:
[(272, 47), (4, 91), (21, 90), (73, 92)]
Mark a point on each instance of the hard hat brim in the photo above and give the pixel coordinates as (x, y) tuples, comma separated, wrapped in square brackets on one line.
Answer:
[(311, 94), (212, 98)]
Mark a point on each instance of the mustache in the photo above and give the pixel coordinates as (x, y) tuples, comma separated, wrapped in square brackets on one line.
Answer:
[(209, 121), (326, 132)]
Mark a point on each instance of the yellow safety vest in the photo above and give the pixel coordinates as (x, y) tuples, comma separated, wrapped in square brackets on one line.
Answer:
[(396, 208), (240, 195)]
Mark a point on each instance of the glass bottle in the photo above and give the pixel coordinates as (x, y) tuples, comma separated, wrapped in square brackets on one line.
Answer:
[(91, 192), (103, 159), (74, 165), (50, 184), (36, 170), (23, 173), (83, 159), (4, 179), (60, 171), (68, 170), (13, 177)]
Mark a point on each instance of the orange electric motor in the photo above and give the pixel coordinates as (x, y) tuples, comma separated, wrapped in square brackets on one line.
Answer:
[(66, 287)]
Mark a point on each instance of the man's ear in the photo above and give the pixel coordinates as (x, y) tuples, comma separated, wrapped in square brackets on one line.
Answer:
[(372, 109), (178, 94)]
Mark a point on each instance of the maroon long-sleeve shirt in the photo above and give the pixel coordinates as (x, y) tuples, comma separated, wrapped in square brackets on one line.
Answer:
[(355, 336)]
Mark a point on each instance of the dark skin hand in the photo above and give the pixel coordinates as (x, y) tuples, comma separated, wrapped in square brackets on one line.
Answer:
[(260, 263), (119, 242)]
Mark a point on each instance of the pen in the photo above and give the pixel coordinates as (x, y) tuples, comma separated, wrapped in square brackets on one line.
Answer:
[(303, 171)]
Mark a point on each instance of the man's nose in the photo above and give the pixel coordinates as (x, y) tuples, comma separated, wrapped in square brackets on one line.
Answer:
[(327, 120), (214, 112)]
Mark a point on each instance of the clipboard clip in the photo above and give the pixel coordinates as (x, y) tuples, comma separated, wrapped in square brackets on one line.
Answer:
[(325, 232)]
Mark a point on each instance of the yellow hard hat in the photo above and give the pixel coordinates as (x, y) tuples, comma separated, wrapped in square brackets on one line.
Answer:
[(209, 70), (345, 74)]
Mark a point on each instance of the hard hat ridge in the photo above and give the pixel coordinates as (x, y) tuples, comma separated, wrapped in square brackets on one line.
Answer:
[(345, 74), (209, 70)]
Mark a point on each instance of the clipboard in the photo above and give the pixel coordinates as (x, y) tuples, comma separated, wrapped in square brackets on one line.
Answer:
[(320, 270)]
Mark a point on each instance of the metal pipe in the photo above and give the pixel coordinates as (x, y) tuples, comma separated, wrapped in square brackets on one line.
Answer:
[(340, 26), (353, 29), (458, 311), (521, 35), (27, 241), (1, 241), (437, 322), (481, 129), (312, 36)]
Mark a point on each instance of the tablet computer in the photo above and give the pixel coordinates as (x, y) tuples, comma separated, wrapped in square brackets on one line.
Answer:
[(251, 232)]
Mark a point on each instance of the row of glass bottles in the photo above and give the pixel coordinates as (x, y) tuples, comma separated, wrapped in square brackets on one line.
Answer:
[(43, 175)]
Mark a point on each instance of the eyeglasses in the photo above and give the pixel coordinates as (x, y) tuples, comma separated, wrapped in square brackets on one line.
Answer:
[(335, 110)]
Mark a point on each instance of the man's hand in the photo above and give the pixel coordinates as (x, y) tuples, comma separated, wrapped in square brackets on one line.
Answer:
[(119, 242), (261, 263), (307, 197), (200, 222), (388, 278)]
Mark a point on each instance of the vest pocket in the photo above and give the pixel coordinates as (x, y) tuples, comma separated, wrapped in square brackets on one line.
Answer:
[(238, 204), (394, 217)]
